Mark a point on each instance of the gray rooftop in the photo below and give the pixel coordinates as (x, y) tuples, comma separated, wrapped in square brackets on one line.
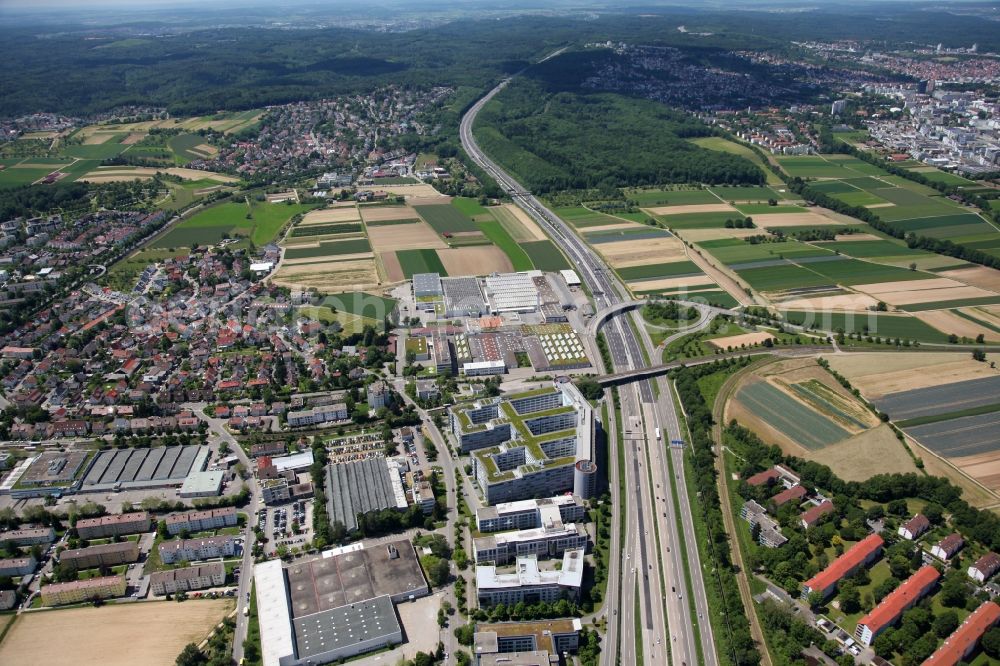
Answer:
[(325, 583), (358, 487), (345, 625)]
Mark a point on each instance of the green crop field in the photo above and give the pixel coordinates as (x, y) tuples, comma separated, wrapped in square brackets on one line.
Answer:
[(790, 416), (870, 323), (323, 229), (749, 193), (777, 278), (833, 187), (420, 261), (735, 251), (11, 177), (874, 248), (860, 198), (468, 207), (698, 220), (853, 271), (545, 255), (654, 198), (182, 145), (361, 304), (329, 249), (97, 151), (445, 218), (937, 176), (578, 216), (496, 233), (673, 269), (212, 224)]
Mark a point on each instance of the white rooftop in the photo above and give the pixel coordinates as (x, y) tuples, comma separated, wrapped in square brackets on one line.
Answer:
[(272, 613)]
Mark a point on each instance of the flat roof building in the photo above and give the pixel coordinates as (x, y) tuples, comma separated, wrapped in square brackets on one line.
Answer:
[(964, 640), (511, 292), (889, 610), (337, 605), (203, 484), (526, 514), (860, 554), (552, 636), (546, 541), (770, 532), (530, 444), (426, 284), (463, 297), (103, 555), (530, 584)]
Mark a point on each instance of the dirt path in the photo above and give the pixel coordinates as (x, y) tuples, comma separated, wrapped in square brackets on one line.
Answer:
[(721, 278), (727, 514)]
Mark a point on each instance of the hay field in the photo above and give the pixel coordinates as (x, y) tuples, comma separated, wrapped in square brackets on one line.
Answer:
[(514, 219), (977, 276), (322, 260), (851, 459), (972, 491), (332, 276), (840, 302), (987, 313), (114, 174), (879, 373), (328, 215), (476, 260), (777, 220), (735, 341), (947, 321), (393, 269), (692, 208), (149, 633), (98, 138), (700, 235), (984, 468), (415, 190), (624, 254), (914, 292), (404, 237), (385, 213), (133, 138)]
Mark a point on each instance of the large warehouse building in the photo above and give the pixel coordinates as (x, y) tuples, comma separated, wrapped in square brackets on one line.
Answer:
[(363, 486), (335, 606)]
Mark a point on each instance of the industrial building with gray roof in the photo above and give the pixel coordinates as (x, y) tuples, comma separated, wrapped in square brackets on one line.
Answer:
[(337, 605), (144, 468), (359, 487)]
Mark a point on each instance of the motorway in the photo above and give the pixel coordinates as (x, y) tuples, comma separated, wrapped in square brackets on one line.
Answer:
[(649, 532)]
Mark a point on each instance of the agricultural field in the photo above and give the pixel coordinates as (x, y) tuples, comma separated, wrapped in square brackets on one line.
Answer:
[(947, 402), (445, 218), (651, 271), (876, 324), (750, 194), (699, 219), (545, 255), (151, 633), (799, 406), (259, 223), (580, 217), (328, 249), (651, 197), (819, 166), (495, 231), (352, 310), (420, 261), (517, 223)]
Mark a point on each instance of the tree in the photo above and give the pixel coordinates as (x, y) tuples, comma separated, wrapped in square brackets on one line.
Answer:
[(850, 598), (978, 355), (991, 642), (438, 572), (816, 598), (945, 623), (953, 592), (465, 633), (191, 656)]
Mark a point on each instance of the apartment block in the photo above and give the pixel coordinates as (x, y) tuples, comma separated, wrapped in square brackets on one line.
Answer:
[(527, 514), (200, 521), (188, 579), (30, 536), (114, 525), (191, 550), (104, 555), (530, 584), (106, 587), (859, 555)]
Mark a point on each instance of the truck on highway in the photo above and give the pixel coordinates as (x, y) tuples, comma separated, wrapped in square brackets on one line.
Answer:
[(657, 434)]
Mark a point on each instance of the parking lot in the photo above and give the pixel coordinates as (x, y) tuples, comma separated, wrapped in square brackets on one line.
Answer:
[(355, 447), (276, 523)]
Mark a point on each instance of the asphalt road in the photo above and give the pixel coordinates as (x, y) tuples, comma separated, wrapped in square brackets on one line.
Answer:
[(642, 547)]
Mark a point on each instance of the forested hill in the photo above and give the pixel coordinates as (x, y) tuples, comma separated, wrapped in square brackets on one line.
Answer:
[(575, 140), (81, 69)]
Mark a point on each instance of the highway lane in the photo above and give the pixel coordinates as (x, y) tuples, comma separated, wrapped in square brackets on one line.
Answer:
[(626, 353)]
